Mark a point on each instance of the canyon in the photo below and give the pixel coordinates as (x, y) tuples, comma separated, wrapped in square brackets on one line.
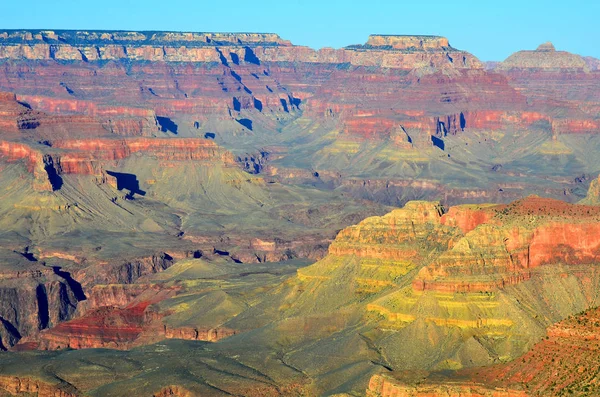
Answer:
[(232, 214)]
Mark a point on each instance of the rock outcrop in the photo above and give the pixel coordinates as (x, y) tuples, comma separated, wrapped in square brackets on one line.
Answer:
[(34, 298), (384, 386), (24, 385)]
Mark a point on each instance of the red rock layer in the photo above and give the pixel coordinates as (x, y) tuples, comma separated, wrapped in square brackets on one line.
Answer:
[(105, 327), (564, 363), (120, 328), (503, 243), (88, 156)]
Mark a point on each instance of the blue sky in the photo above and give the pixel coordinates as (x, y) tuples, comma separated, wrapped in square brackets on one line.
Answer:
[(491, 30)]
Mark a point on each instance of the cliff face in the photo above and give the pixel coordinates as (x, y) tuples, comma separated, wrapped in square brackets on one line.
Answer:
[(408, 42), (380, 250), (33, 299), (93, 156), (208, 47), (564, 362)]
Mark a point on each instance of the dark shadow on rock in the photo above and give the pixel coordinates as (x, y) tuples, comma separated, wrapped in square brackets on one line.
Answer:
[(73, 284), (258, 105), (69, 91), (236, 76), (285, 105), (166, 124), (234, 58), (237, 106), (210, 135), (437, 142), (127, 182), (42, 301), (295, 101), (28, 255), (11, 329), (53, 177), (220, 252), (222, 58), (246, 123), (250, 56)]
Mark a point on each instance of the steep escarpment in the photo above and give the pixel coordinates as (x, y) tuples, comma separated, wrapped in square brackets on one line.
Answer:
[(34, 297), (208, 47), (55, 118), (16, 385), (49, 161)]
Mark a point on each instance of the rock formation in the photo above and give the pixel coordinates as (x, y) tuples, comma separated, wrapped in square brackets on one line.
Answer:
[(544, 57), (564, 362), (470, 286)]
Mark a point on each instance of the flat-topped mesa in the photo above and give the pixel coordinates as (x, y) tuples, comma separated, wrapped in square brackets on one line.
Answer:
[(408, 42), (399, 52), (189, 39)]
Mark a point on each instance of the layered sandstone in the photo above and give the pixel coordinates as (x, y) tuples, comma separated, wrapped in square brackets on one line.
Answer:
[(383, 249), (204, 47), (398, 42), (93, 156), (467, 276), (507, 247), (14, 116)]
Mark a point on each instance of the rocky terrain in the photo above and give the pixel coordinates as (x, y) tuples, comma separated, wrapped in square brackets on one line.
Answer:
[(232, 214), (564, 363)]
